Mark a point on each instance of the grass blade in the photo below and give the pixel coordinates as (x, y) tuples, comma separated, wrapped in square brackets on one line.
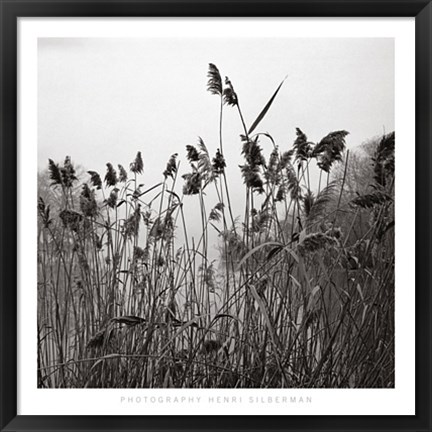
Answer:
[(265, 109)]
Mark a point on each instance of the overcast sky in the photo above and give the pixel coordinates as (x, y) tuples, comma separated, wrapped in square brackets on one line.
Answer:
[(102, 100)]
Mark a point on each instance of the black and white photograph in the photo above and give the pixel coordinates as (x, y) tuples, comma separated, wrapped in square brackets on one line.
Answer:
[(215, 213)]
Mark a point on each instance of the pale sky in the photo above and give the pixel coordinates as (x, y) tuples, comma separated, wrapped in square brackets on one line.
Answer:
[(102, 100)]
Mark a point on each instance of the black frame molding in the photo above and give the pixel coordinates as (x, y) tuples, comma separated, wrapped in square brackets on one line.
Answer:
[(11, 10)]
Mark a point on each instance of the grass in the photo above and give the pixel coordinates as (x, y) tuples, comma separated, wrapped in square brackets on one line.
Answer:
[(302, 295)]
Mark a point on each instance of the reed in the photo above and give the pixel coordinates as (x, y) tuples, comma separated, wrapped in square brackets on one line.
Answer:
[(297, 298)]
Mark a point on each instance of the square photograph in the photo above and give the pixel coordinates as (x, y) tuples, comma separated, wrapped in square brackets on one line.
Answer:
[(215, 213)]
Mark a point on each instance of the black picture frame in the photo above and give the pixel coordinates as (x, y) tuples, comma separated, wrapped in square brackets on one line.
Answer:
[(11, 10)]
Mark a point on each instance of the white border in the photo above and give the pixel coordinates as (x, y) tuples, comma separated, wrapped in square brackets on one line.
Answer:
[(398, 401)]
